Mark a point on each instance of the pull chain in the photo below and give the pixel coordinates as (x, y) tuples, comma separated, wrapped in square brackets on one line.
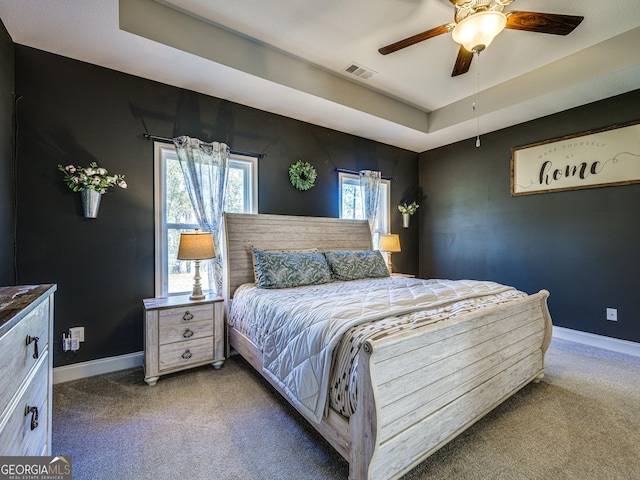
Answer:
[(476, 107)]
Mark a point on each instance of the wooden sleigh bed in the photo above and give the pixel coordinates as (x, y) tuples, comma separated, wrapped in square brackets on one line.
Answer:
[(401, 418)]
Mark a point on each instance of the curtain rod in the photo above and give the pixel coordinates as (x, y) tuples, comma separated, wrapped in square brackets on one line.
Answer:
[(233, 152), (353, 172)]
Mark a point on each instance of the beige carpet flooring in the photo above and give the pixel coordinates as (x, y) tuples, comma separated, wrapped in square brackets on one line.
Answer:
[(581, 422)]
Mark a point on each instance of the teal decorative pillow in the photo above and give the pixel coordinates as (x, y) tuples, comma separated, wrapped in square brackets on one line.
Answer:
[(255, 266), (286, 270), (356, 264)]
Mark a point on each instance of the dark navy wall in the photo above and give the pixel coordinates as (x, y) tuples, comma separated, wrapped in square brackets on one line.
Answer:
[(7, 176), (580, 245), (75, 113)]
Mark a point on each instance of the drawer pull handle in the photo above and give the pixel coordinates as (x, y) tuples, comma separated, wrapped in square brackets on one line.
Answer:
[(187, 316), (187, 333), (34, 415), (35, 347), (187, 354)]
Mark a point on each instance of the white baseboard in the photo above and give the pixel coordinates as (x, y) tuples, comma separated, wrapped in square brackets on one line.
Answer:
[(591, 339), (96, 367)]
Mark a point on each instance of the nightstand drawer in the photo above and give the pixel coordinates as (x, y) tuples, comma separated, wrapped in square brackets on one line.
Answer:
[(182, 354), (185, 315), (185, 332)]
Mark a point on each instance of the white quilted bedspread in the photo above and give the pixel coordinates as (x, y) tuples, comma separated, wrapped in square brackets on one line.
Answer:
[(298, 328)]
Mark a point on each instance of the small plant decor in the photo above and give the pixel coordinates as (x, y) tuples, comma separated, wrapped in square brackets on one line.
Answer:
[(302, 175), (92, 177), (408, 209)]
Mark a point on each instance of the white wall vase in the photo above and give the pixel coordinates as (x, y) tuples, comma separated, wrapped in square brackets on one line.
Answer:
[(90, 202), (405, 220)]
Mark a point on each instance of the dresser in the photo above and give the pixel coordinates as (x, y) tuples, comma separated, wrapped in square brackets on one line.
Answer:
[(180, 333), (26, 373)]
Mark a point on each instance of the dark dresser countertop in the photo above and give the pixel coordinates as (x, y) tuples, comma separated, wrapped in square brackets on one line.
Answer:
[(16, 302)]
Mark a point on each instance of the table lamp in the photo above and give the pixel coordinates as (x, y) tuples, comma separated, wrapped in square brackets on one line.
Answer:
[(390, 243), (196, 246)]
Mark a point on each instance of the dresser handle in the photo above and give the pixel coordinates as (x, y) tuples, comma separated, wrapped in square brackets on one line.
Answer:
[(187, 354), (187, 333), (35, 347), (187, 316), (34, 415)]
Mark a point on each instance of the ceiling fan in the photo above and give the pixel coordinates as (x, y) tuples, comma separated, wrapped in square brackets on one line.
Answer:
[(477, 22)]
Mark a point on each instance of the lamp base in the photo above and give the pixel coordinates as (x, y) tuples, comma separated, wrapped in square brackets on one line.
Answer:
[(197, 286)]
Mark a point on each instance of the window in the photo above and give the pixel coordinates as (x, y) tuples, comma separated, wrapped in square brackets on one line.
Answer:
[(351, 203), (174, 215)]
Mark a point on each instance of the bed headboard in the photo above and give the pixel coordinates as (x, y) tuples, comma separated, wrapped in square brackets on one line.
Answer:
[(283, 232)]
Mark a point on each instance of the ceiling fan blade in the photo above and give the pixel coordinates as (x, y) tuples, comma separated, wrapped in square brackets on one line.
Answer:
[(420, 37), (463, 62), (543, 22)]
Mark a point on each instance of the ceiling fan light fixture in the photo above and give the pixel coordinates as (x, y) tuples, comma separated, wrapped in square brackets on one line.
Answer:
[(477, 31)]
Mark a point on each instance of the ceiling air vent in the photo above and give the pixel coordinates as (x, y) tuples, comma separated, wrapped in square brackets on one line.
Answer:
[(359, 71)]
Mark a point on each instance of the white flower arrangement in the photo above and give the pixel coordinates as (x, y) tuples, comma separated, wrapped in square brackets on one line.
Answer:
[(92, 177), (408, 209)]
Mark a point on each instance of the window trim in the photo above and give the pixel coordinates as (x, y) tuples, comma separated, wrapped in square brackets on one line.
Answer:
[(250, 165), (161, 262), (159, 206)]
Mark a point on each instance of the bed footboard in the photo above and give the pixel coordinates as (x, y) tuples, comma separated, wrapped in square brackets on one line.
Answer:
[(418, 391)]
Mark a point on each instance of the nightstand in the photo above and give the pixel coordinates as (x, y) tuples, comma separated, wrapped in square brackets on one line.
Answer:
[(180, 333)]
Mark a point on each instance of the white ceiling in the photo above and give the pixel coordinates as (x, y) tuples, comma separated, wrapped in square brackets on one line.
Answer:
[(288, 57)]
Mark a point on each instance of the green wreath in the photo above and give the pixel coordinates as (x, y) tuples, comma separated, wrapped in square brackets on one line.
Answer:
[(302, 175)]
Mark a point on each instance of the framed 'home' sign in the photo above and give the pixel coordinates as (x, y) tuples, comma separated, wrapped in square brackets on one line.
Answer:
[(600, 158)]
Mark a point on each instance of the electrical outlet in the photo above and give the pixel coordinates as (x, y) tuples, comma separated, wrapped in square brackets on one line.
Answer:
[(77, 333), (612, 314)]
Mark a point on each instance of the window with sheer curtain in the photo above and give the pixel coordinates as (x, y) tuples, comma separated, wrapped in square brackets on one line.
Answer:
[(174, 215), (351, 203)]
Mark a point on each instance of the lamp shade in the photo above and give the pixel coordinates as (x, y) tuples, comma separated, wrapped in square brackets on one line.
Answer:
[(196, 246), (390, 243), (478, 30)]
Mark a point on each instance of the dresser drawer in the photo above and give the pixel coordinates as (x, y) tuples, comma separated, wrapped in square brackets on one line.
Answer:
[(17, 437), (16, 357), (186, 315), (185, 332)]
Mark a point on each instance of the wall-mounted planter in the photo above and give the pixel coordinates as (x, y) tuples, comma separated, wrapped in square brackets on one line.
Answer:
[(90, 202)]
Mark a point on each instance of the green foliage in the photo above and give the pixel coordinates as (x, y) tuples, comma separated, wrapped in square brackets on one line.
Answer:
[(234, 194), (179, 209), (302, 175), (351, 201)]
